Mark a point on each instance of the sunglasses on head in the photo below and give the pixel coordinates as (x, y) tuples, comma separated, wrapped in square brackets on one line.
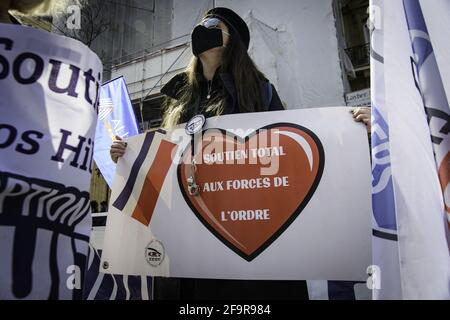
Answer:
[(212, 23)]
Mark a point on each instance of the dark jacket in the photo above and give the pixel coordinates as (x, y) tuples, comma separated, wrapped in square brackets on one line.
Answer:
[(222, 83)]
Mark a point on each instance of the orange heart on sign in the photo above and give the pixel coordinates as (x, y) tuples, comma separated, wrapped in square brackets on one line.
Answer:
[(252, 188)]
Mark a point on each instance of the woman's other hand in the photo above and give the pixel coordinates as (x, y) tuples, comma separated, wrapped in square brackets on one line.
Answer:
[(117, 149), (362, 114)]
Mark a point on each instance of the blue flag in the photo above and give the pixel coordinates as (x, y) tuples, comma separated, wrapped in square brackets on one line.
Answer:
[(115, 117), (431, 86), (385, 232), (409, 246)]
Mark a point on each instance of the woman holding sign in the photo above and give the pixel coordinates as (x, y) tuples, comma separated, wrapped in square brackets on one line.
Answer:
[(221, 79)]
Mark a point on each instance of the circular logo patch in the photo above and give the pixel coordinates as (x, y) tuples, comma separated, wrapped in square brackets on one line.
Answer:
[(154, 253), (195, 124)]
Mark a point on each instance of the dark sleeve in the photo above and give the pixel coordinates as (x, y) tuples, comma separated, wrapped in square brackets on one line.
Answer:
[(173, 88), (275, 104)]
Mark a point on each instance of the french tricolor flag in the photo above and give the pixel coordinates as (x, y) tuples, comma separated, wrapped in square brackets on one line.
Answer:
[(150, 165)]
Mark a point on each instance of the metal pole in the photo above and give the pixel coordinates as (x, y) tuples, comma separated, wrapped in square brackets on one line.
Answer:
[(141, 107)]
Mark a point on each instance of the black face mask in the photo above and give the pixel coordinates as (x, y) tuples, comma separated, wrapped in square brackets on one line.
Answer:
[(204, 39)]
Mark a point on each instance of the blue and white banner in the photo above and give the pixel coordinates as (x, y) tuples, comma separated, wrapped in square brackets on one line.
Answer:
[(49, 88), (411, 256), (116, 117), (384, 241)]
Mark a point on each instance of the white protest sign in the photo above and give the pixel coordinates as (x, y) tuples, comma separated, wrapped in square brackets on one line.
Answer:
[(282, 195), (48, 105)]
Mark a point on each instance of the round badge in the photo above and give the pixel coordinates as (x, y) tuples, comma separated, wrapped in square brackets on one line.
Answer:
[(154, 253), (195, 124)]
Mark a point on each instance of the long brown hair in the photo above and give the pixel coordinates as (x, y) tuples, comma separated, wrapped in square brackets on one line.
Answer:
[(246, 76)]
